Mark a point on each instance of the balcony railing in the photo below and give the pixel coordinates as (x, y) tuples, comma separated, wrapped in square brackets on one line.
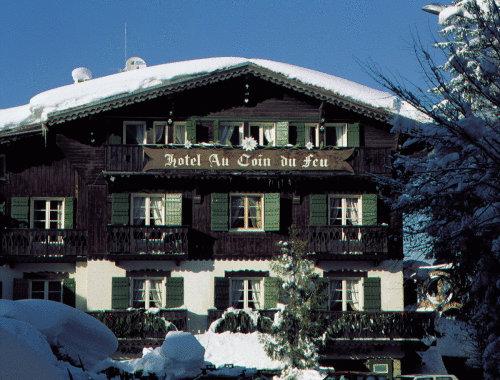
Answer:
[(24, 242), (378, 325), (135, 240), (348, 241), (139, 323)]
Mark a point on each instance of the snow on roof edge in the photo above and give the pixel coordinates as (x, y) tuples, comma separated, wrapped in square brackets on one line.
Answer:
[(98, 90)]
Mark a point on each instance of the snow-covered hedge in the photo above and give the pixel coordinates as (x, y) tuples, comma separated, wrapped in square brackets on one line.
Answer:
[(241, 321)]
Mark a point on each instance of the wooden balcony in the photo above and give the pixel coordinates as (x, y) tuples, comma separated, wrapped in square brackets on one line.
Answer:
[(154, 241), (131, 158), (31, 243), (348, 242)]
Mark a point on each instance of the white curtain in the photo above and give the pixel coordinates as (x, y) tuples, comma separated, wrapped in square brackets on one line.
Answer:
[(255, 286), (237, 293), (155, 293), (160, 134), (352, 205), (340, 135), (179, 134), (352, 288), (269, 135), (225, 133), (157, 211)]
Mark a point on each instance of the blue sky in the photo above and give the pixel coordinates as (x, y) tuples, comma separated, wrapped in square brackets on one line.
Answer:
[(42, 41)]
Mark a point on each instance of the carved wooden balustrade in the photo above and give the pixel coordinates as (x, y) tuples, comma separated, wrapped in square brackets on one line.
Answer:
[(28, 242)]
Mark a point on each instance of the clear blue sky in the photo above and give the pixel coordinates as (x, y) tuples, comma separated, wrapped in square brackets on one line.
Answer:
[(42, 41)]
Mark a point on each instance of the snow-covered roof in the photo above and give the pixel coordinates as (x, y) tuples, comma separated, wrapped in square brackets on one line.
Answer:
[(61, 99)]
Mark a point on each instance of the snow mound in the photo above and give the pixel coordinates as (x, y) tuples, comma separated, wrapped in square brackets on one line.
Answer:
[(432, 362), (238, 349), (100, 89), (72, 331)]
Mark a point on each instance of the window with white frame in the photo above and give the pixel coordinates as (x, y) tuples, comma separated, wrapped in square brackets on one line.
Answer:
[(344, 210), (246, 293), (247, 212), (148, 209), (312, 134), (134, 132), (164, 133), (47, 213), (336, 135), (231, 133), (263, 133), (345, 294), (147, 293), (46, 290)]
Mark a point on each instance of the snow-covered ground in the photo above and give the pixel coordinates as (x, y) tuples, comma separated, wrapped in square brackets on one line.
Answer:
[(100, 89)]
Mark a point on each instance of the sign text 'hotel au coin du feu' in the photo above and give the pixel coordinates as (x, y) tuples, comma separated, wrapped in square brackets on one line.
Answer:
[(237, 159)]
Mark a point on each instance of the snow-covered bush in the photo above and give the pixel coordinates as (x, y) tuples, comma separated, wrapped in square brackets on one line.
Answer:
[(243, 321)]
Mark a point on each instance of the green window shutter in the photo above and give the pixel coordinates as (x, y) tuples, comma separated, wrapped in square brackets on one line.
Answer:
[(372, 295), (323, 290), (20, 289), (317, 210), (281, 133), (69, 291), (369, 209), (120, 292), (272, 212), (191, 130), (173, 212), (20, 209), (215, 131), (68, 212), (221, 293), (2, 208), (301, 134), (175, 292), (120, 206), (272, 286), (219, 212), (353, 136)]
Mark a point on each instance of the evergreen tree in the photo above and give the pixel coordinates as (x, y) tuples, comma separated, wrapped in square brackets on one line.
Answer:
[(296, 332), (450, 168)]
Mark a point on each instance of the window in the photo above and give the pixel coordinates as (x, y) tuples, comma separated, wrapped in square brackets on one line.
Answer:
[(312, 134), (47, 213), (3, 166), (147, 292), (345, 294), (163, 133), (344, 210), (148, 210), (336, 135), (230, 133), (381, 368), (263, 133), (247, 212), (246, 293), (134, 132), (46, 290)]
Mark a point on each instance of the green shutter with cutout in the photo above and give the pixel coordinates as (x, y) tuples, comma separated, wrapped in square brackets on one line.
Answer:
[(372, 294), (174, 292), (120, 292), (301, 134), (68, 212), (69, 291), (317, 210), (369, 209), (281, 133), (20, 209), (219, 208), (353, 135), (173, 209), (2, 208), (272, 286), (120, 208), (215, 131), (191, 131), (221, 293), (272, 212)]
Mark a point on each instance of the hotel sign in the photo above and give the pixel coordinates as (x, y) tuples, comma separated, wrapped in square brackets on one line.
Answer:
[(240, 160)]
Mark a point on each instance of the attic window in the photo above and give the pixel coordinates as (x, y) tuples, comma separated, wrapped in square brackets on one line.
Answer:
[(3, 167)]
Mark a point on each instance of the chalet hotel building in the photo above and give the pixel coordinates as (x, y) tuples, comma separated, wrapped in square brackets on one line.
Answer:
[(169, 187)]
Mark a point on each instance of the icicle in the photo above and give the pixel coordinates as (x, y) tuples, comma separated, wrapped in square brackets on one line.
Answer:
[(45, 130)]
